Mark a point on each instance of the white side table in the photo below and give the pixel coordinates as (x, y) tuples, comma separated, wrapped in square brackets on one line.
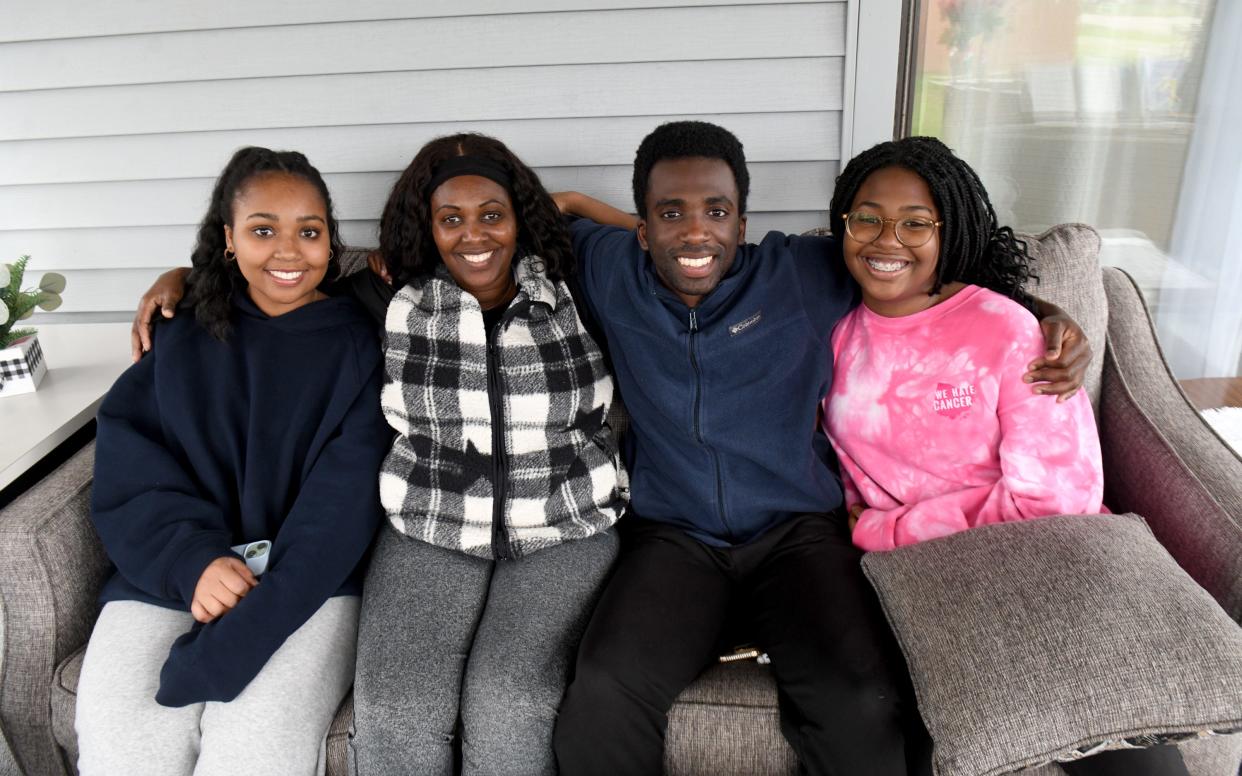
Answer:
[(83, 360)]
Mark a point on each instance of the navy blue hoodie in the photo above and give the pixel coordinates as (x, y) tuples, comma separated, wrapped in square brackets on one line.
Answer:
[(275, 434), (723, 399)]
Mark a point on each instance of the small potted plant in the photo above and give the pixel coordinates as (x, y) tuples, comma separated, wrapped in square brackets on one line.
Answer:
[(21, 359)]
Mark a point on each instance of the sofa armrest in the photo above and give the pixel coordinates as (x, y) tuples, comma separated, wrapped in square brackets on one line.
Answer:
[(51, 569), (1161, 459)]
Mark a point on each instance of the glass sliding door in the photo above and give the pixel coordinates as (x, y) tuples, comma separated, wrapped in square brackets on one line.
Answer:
[(1123, 114)]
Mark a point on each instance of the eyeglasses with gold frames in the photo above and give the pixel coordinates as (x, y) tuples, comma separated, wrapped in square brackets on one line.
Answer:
[(911, 231)]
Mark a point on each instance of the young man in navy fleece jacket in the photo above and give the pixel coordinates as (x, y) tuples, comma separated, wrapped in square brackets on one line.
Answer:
[(721, 352)]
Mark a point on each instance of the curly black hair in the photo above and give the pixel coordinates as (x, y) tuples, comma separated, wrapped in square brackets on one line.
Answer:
[(406, 240), (974, 248), (213, 279), (682, 139)]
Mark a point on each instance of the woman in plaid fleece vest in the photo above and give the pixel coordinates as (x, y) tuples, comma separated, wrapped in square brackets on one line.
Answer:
[(502, 484)]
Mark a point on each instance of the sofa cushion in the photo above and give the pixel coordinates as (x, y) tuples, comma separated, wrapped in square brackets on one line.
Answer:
[(353, 259), (727, 723), (1030, 641), (337, 750)]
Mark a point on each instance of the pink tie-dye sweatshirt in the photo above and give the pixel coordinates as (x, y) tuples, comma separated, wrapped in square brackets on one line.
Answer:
[(937, 433)]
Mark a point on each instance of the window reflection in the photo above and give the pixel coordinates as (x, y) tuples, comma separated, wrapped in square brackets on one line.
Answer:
[(1087, 110)]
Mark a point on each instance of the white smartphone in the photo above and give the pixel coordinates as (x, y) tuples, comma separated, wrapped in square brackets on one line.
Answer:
[(255, 554)]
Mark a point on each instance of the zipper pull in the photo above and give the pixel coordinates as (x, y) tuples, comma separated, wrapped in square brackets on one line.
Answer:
[(694, 321)]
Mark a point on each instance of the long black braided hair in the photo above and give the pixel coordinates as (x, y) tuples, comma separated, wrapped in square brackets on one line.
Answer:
[(406, 240), (213, 279), (974, 248)]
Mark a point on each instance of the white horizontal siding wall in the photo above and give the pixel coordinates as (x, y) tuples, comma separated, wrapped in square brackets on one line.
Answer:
[(115, 118)]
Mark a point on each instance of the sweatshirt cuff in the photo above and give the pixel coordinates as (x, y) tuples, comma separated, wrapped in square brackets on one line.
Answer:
[(188, 676), (184, 572)]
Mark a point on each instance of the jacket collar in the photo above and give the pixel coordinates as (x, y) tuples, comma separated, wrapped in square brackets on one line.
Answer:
[(440, 293), (718, 299)]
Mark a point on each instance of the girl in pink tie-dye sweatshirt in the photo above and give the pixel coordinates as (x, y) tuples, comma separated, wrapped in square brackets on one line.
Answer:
[(934, 428)]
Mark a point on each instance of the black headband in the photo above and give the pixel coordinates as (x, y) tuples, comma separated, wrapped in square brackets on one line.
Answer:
[(467, 165)]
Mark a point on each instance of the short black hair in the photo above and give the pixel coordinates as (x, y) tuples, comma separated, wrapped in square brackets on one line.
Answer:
[(974, 248), (684, 139), (213, 279)]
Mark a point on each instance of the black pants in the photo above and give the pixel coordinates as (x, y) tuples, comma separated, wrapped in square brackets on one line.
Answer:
[(798, 593)]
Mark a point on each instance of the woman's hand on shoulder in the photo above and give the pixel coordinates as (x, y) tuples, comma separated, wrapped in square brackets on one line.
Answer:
[(223, 584), (164, 295)]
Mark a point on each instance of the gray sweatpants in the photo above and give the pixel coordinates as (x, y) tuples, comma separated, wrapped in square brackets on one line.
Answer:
[(445, 637), (276, 726)]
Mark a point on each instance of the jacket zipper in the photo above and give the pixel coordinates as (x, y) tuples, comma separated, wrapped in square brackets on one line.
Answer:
[(698, 393), (502, 547)]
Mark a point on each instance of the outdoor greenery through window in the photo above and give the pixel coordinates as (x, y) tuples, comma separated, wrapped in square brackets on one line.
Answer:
[(1118, 113)]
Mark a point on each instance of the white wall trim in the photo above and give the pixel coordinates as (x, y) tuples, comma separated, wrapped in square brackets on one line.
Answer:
[(873, 43)]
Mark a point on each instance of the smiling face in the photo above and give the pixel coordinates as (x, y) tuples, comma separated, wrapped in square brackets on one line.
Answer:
[(692, 225), (476, 230), (896, 280), (280, 236)]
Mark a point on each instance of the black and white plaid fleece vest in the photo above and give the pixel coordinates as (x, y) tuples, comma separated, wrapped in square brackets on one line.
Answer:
[(559, 473)]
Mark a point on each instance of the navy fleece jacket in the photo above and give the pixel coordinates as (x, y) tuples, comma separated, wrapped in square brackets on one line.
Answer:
[(723, 400), (275, 434)]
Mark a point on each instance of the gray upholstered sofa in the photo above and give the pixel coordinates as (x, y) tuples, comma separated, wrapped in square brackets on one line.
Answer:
[(1162, 461)]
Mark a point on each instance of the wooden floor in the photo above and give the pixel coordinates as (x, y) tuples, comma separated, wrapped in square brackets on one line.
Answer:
[(1210, 392)]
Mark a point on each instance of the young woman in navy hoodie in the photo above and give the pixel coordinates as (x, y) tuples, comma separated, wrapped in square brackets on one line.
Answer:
[(255, 420)]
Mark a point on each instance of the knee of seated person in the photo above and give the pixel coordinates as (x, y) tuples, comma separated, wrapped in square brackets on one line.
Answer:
[(388, 714), (495, 727), (491, 702), (375, 733), (600, 697), (864, 690), (377, 701), (599, 676), (502, 723)]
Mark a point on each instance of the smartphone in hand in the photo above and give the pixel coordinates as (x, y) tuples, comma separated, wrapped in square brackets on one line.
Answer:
[(255, 554)]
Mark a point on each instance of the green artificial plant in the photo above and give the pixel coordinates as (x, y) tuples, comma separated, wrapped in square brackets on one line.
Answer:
[(17, 304)]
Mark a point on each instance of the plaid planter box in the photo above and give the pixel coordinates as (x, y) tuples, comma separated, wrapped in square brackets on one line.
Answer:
[(21, 366)]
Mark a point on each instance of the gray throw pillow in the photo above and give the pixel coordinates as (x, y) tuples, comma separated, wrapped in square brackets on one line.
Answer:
[(1042, 640)]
